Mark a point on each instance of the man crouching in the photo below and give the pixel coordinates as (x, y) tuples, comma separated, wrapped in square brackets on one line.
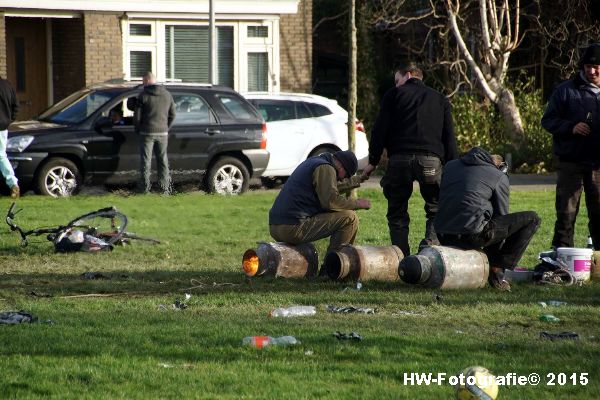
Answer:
[(309, 207), (473, 213)]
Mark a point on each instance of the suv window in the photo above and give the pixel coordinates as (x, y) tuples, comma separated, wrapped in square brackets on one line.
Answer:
[(275, 110), (192, 109), (302, 110), (79, 106), (237, 108), (318, 110)]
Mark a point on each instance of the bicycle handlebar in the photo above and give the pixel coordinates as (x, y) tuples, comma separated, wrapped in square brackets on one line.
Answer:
[(10, 215)]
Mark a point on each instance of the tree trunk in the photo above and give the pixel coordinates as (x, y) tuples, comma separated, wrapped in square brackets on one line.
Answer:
[(512, 118), (352, 82)]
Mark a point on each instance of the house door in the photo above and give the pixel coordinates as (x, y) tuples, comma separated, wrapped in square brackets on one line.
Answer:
[(26, 63)]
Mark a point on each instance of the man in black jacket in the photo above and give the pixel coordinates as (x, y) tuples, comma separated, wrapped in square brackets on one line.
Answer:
[(573, 118), (8, 113), (415, 126), (154, 115), (473, 213)]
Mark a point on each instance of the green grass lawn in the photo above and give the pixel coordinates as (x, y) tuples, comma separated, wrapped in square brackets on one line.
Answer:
[(122, 344)]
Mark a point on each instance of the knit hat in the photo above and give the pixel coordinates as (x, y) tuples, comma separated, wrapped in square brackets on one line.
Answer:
[(348, 160), (591, 55)]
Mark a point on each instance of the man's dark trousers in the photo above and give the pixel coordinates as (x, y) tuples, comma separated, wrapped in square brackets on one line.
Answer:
[(572, 178), (503, 239), (397, 184)]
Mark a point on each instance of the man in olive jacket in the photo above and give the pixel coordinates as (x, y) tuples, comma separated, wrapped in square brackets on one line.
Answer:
[(154, 115), (309, 206)]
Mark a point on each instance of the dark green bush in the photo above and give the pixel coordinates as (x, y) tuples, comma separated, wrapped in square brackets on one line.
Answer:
[(477, 122)]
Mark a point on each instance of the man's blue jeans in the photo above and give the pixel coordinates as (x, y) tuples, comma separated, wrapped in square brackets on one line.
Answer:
[(5, 167)]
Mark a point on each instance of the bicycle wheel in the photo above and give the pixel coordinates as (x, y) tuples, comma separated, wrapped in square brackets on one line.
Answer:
[(107, 224)]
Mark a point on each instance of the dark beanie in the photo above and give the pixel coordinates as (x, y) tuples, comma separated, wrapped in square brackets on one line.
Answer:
[(591, 55), (348, 160)]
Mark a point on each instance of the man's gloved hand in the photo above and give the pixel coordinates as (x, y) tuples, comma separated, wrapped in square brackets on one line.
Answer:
[(346, 185)]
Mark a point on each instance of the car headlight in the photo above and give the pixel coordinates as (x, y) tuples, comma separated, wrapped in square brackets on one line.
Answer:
[(18, 143)]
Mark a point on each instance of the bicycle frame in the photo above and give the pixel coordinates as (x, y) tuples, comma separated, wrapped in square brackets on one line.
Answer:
[(10, 215)]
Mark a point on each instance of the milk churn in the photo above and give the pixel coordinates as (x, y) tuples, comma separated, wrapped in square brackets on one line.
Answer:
[(446, 268), (281, 260), (379, 263)]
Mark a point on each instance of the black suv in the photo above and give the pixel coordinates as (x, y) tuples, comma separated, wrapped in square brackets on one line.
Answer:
[(217, 140)]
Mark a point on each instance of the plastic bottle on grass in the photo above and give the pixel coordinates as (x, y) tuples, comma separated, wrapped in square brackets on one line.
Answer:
[(296, 311), (549, 318), (264, 341)]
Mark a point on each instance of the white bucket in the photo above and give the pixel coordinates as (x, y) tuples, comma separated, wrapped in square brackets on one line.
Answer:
[(578, 260)]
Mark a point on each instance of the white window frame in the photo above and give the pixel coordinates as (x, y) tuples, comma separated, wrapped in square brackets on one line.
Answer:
[(142, 39), (150, 49), (242, 45)]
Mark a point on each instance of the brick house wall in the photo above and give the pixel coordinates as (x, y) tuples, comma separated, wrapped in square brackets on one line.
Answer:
[(68, 73), (103, 47), (295, 31)]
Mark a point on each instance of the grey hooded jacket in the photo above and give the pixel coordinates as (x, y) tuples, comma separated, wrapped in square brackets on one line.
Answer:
[(154, 111), (473, 190)]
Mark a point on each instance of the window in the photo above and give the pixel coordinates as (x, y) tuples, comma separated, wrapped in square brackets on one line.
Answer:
[(302, 111), (187, 55), (257, 31), (140, 29), (275, 110), (318, 110), (236, 107), (258, 72), (192, 109), (140, 62)]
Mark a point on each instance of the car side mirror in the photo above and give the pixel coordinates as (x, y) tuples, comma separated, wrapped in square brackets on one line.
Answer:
[(103, 123)]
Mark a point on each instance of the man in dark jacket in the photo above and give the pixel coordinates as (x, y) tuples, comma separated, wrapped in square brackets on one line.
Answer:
[(415, 126), (309, 206), (154, 115), (573, 118), (8, 113), (473, 213)]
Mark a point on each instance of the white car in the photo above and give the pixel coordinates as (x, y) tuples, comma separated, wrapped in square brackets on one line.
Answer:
[(301, 126)]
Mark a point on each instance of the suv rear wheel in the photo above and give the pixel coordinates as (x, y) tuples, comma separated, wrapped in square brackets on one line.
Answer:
[(58, 177), (322, 149), (228, 175)]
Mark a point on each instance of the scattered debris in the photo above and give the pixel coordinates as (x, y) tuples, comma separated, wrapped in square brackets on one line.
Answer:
[(409, 312), (16, 317), (549, 318), (36, 294), (358, 287), (556, 303), (347, 336), (94, 275), (437, 297), (559, 335), (350, 309)]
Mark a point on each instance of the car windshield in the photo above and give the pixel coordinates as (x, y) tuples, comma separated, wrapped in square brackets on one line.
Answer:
[(78, 106)]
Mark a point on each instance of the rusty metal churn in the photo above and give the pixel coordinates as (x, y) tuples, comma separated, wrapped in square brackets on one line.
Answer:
[(281, 260), (379, 263), (446, 268)]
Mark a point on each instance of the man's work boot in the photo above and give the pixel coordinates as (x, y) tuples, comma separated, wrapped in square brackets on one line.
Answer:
[(15, 192), (497, 281)]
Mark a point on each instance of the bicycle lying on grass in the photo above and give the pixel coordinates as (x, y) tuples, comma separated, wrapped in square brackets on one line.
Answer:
[(98, 230)]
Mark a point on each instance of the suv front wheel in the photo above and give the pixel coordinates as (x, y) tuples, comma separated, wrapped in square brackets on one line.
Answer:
[(58, 177), (228, 175)]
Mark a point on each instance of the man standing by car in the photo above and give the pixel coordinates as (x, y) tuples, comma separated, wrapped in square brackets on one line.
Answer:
[(154, 115), (573, 118), (8, 113), (473, 213), (415, 126), (309, 207)]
